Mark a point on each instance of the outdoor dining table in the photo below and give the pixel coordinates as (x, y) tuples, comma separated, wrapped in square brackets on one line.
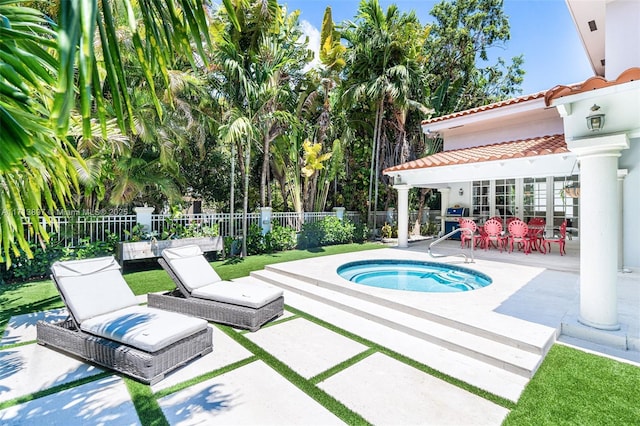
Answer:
[(536, 238)]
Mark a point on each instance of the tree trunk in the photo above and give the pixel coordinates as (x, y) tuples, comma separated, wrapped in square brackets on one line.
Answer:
[(418, 224), (247, 167), (265, 169), (379, 114), (232, 195)]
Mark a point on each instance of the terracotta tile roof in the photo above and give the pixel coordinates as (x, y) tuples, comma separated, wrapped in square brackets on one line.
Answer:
[(494, 105), (594, 83), (543, 145)]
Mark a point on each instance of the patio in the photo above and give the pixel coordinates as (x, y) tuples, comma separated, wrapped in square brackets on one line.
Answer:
[(342, 344)]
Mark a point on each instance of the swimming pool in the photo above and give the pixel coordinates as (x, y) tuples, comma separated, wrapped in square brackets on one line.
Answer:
[(413, 275)]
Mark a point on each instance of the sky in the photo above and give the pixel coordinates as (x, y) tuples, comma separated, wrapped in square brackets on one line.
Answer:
[(541, 30)]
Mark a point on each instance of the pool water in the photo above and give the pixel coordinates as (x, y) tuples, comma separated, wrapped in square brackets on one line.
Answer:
[(413, 276)]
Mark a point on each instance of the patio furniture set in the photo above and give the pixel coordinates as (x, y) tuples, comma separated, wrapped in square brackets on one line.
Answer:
[(108, 327), (525, 236)]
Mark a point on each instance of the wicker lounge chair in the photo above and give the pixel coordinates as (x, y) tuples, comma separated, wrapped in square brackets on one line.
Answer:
[(106, 325), (202, 293)]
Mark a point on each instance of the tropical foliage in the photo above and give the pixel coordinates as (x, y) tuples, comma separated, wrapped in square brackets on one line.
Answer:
[(123, 102)]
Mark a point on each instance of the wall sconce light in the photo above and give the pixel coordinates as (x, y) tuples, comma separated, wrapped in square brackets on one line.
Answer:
[(595, 120), (461, 192), (397, 180)]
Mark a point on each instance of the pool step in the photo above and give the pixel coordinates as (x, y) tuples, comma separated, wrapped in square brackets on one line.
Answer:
[(447, 334)]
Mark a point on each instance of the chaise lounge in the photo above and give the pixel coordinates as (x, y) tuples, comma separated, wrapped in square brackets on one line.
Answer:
[(106, 325), (202, 293)]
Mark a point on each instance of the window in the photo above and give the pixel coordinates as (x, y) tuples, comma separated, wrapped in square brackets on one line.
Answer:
[(564, 207), (534, 200), (506, 197), (480, 198)]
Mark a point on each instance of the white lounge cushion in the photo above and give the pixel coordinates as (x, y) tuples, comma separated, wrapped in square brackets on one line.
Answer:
[(92, 287), (147, 329), (191, 267), (181, 252), (252, 295)]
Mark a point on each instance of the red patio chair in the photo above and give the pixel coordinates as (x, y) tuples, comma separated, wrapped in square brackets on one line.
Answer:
[(519, 233), (560, 239), (469, 232), (493, 230)]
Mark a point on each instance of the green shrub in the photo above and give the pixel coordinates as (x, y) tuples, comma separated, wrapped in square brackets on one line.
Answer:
[(310, 236), (429, 228), (25, 269), (361, 233), (232, 246), (328, 231), (197, 229), (336, 231), (386, 231), (280, 238), (255, 240)]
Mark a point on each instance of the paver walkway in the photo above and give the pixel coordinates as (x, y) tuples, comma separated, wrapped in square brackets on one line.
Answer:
[(380, 389)]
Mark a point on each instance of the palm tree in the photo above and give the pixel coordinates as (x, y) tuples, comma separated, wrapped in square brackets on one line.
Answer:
[(38, 92), (380, 71), (253, 67), (316, 106)]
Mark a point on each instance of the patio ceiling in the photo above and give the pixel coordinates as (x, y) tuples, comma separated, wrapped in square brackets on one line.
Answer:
[(535, 157)]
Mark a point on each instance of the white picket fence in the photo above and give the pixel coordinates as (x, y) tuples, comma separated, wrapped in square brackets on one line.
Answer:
[(72, 230)]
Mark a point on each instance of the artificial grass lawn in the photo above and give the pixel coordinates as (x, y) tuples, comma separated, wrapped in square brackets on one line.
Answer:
[(576, 388)]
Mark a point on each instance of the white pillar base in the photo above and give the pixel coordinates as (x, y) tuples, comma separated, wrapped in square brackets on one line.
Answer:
[(608, 327)]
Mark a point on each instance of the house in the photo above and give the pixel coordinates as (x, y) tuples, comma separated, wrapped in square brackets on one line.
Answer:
[(515, 157)]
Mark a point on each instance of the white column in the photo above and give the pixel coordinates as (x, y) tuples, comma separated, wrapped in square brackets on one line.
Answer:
[(143, 217), (599, 219), (339, 212), (622, 173), (403, 215), (444, 205)]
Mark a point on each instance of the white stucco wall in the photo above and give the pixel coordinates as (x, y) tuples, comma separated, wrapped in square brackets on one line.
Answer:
[(506, 132), (523, 120), (622, 39), (630, 160)]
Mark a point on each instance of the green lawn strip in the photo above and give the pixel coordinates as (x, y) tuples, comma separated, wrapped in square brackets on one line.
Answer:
[(578, 388), (231, 269), (406, 360), (204, 377), (153, 281), (53, 389), (27, 298), (17, 345), (327, 401), (342, 366), (157, 280), (272, 323), (145, 403)]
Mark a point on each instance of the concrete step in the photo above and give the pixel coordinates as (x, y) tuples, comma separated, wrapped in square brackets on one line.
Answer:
[(481, 345), (477, 373), (500, 328)]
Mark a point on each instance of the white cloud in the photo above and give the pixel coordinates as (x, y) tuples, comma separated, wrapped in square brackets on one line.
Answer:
[(314, 43)]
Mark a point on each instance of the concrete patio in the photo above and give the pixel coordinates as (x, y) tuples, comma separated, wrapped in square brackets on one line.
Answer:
[(521, 313)]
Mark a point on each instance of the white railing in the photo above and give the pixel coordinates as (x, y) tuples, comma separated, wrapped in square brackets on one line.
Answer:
[(72, 229), (69, 230)]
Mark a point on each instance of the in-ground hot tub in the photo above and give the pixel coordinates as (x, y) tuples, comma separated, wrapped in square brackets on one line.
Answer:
[(413, 275)]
